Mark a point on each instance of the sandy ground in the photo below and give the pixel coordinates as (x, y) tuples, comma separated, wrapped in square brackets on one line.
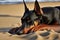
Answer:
[(39, 35)]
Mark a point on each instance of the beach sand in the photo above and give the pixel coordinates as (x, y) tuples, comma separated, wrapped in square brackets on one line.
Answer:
[(39, 35)]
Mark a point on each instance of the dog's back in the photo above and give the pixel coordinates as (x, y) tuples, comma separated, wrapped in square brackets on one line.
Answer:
[(58, 7)]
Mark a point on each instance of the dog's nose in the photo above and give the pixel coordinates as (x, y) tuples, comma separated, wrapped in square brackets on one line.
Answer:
[(13, 30)]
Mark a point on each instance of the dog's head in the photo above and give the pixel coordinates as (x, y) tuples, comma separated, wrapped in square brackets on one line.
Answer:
[(31, 14)]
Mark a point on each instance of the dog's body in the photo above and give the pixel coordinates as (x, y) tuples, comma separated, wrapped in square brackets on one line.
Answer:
[(50, 15)]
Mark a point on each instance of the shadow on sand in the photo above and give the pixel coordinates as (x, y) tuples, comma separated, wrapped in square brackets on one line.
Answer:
[(10, 16)]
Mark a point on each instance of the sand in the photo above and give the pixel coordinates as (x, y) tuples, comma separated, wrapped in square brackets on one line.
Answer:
[(39, 35)]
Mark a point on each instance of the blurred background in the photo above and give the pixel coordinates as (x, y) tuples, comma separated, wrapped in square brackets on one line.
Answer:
[(11, 11), (26, 0)]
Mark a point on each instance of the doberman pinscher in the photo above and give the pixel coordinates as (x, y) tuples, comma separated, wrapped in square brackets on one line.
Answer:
[(45, 15), (26, 20), (28, 17)]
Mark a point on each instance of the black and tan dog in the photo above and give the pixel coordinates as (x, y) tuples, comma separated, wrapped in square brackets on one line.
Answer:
[(45, 15)]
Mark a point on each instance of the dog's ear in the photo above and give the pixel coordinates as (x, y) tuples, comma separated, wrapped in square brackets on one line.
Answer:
[(26, 9), (37, 8)]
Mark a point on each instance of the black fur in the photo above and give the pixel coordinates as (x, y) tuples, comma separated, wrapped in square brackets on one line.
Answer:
[(51, 13)]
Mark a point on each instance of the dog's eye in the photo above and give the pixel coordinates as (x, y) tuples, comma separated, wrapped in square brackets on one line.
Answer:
[(41, 18), (28, 18)]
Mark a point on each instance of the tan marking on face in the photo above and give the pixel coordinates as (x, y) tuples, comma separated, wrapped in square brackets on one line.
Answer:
[(35, 23)]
